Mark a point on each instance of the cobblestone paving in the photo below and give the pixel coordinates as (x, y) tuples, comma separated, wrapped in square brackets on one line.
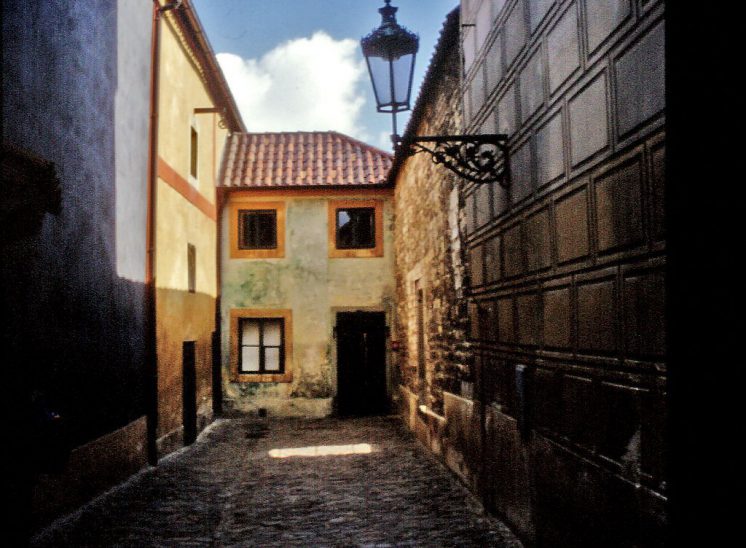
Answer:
[(226, 490)]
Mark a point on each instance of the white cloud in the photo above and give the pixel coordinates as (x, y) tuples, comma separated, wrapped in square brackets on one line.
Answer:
[(384, 141), (305, 84)]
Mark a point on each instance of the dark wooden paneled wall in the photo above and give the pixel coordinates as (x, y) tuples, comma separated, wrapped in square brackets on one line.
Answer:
[(567, 265)]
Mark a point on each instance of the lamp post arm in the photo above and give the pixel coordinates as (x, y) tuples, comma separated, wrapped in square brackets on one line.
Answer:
[(481, 159)]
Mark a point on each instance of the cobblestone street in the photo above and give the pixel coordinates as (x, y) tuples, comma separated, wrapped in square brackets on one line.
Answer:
[(230, 488)]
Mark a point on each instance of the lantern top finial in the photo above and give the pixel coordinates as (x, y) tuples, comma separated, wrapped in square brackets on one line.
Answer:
[(388, 13), (390, 40)]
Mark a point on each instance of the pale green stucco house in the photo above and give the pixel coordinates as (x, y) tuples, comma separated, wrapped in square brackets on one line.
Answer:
[(307, 274)]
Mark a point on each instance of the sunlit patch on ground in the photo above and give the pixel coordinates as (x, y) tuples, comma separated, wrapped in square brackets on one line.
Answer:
[(322, 450)]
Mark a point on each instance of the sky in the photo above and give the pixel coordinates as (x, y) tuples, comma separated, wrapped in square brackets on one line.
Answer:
[(296, 65)]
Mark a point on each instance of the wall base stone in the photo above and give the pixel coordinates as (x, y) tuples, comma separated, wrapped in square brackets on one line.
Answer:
[(462, 438), (313, 408), (91, 469), (174, 440)]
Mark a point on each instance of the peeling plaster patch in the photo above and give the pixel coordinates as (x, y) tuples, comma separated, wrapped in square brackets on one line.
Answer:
[(254, 284), (313, 379), (265, 283)]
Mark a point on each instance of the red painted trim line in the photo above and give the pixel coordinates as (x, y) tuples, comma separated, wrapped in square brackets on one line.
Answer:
[(182, 186)]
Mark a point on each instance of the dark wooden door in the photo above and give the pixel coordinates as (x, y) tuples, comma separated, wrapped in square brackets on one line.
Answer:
[(217, 380), (189, 393), (361, 363)]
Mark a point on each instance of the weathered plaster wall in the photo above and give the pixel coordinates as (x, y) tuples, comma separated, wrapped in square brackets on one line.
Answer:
[(185, 215), (130, 153), (75, 91), (314, 286), (181, 91)]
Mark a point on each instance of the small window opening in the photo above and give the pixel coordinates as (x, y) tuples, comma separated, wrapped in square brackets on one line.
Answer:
[(191, 268), (356, 228), (257, 229), (194, 154)]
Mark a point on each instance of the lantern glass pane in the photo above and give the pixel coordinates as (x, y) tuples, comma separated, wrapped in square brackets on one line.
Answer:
[(403, 67), (381, 78)]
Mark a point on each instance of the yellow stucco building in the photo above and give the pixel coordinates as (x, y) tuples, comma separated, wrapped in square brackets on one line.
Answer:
[(195, 114)]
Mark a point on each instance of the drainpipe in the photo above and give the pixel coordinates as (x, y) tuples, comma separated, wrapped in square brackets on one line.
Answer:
[(151, 362), (217, 361)]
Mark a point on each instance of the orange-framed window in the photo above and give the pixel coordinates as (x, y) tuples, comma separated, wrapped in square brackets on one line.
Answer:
[(355, 228), (257, 230), (261, 345)]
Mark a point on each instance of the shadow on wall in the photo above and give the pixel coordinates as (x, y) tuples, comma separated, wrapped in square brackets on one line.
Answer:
[(74, 333)]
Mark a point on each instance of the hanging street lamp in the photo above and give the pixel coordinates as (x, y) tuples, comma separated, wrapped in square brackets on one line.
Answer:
[(390, 52)]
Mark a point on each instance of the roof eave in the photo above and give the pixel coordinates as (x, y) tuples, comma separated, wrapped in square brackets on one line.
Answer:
[(217, 86)]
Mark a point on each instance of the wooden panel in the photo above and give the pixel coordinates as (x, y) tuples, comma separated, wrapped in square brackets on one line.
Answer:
[(618, 199), (536, 231), (513, 251), (572, 226), (644, 314), (597, 317), (557, 318), (589, 127), (563, 49)]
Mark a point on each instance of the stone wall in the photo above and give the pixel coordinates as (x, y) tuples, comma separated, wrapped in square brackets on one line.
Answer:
[(430, 258)]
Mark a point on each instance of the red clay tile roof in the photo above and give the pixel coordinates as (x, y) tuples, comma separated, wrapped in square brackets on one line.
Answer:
[(292, 159)]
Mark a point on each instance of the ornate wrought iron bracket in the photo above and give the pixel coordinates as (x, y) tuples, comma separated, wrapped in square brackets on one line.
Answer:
[(480, 159)]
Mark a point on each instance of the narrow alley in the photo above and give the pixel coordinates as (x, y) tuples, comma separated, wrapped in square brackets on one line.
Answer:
[(338, 482), (451, 217)]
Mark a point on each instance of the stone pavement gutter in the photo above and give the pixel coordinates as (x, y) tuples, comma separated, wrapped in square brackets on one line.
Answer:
[(288, 482)]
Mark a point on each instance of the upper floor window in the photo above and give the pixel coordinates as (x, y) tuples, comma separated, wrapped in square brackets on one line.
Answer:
[(356, 228), (257, 229), (191, 268), (193, 153)]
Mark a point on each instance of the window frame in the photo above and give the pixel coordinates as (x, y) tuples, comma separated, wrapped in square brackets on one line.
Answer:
[(261, 346), (234, 219), (337, 226), (286, 352), (260, 212), (366, 252)]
